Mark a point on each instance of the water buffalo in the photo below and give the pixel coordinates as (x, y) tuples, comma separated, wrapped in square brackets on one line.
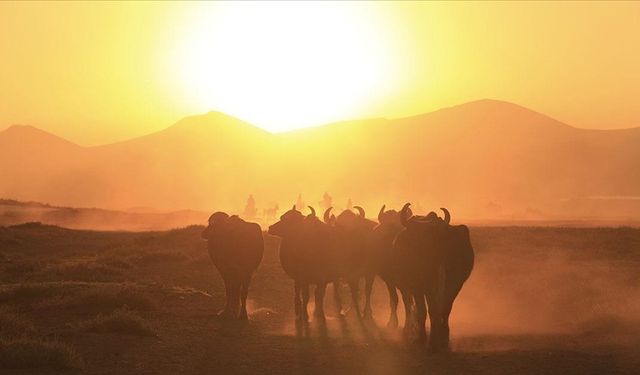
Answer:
[(432, 260), (381, 255), (307, 256), (236, 248), (351, 235)]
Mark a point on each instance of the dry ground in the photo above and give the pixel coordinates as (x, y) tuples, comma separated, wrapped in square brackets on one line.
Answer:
[(540, 301)]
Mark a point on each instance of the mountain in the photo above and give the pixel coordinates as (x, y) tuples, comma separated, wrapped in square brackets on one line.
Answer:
[(17, 138), (32, 159), (485, 151), (485, 158)]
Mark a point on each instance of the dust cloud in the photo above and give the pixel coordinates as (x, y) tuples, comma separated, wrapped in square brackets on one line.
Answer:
[(528, 284)]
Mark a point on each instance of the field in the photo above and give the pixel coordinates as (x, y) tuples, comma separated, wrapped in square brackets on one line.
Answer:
[(540, 301)]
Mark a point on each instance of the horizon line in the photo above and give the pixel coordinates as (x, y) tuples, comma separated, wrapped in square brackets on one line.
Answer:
[(214, 111)]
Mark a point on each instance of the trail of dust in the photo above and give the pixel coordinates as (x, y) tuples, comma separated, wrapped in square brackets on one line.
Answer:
[(537, 282)]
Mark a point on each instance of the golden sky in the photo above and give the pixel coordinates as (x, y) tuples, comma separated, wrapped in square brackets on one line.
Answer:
[(101, 72)]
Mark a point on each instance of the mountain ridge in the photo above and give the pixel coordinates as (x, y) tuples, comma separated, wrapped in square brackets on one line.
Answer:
[(17, 132), (469, 157), (225, 118)]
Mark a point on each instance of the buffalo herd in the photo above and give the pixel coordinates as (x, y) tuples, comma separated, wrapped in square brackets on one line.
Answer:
[(424, 257)]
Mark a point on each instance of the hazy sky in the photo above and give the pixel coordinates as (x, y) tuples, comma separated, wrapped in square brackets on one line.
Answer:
[(100, 72)]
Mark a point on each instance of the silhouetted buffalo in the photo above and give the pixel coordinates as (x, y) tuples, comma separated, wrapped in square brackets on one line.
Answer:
[(236, 248), (307, 255), (432, 260), (381, 256), (351, 236)]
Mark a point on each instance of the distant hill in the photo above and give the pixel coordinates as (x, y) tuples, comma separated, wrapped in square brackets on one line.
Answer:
[(483, 159)]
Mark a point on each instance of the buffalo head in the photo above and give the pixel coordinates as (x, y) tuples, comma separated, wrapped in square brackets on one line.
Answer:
[(389, 216), (217, 221), (287, 223), (407, 217)]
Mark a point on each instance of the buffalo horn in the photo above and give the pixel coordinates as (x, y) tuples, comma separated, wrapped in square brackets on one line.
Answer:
[(326, 215), (447, 215), (403, 214), (381, 213)]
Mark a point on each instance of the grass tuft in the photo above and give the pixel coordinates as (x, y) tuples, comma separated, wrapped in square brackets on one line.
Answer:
[(26, 352), (154, 257), (102, 299), (13, 324), (77, 296), (81, 271), (123, 321), (26, 293)]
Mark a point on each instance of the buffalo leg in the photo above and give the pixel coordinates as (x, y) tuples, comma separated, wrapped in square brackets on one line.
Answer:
[(409, 322), (446, 311), (355, 300), (421, 316), (393, 305), (451, 294), (368, 287), (305, 301), (440, 304), (445, 324), (336, 297), (435, 319), (244, 292), (296, 299), (227, 303), (320, 291), (234, 300)]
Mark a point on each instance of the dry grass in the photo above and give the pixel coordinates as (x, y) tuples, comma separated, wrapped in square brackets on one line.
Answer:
[(116, 261), (105, 298), (26, 352), (151, 257), (80, 271), (21, 347), (123, 321), (78, 296), (22, 268), (127, 259), (27, 293), (13, 324)]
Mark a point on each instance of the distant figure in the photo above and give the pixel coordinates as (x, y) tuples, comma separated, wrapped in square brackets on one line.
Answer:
[(250, 210), (327, 201), (236, 248), (268, 214)]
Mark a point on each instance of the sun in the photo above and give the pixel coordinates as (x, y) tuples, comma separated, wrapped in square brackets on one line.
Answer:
[(284, 65)]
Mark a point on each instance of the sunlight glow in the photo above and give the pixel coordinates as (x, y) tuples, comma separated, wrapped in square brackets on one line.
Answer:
[(284, 65)]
